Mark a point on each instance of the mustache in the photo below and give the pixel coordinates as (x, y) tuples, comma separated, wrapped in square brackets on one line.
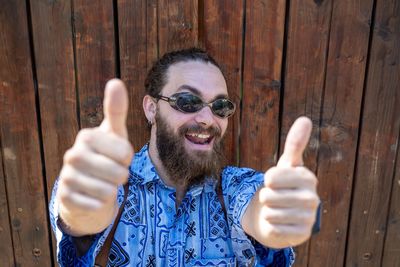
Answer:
[(211, 130)]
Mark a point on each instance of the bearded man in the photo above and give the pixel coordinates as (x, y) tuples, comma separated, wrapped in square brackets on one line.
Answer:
[(176, 203)]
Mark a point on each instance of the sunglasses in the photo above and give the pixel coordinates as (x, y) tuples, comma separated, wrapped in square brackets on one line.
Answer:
[(189, 103)]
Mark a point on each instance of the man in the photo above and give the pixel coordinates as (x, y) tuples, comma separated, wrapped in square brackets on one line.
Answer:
[(182, 207)]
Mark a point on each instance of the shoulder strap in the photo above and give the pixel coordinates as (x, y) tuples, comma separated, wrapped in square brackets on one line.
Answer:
[(102, 257), (221, 198)]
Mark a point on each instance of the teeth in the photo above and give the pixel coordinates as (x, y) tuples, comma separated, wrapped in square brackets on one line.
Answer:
[(203, 136)]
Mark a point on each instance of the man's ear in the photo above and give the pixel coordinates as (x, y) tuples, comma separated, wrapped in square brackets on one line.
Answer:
[(150, 108)]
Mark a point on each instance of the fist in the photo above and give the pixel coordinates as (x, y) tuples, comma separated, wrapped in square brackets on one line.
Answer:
[(95, 166), (288, 200)]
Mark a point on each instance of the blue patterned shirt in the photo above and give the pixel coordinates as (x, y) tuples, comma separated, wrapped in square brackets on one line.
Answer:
[(152, 232)]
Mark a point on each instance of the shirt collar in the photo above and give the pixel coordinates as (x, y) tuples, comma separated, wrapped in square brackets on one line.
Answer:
[(142, 171)]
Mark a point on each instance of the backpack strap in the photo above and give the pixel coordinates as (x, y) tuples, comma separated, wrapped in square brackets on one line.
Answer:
[(221, 198), (102, 258)]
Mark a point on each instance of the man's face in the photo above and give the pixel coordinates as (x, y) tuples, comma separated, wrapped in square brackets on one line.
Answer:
[(204, 80), (190, 142)]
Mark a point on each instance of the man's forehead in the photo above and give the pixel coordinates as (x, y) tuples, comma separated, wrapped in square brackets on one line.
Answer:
[(201, 78)]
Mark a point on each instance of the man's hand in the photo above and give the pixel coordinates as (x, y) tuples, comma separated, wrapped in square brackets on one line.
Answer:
[(283, 211), (95, 166)]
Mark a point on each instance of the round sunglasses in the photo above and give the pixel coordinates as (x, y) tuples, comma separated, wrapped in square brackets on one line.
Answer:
[(189, 103)]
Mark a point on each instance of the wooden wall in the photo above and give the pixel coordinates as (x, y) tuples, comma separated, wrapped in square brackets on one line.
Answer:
[(337, 62)]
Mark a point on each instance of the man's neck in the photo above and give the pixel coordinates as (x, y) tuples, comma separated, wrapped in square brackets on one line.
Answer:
[(180, 188)]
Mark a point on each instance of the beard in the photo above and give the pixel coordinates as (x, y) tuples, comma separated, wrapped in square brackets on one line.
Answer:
[(184, 167)]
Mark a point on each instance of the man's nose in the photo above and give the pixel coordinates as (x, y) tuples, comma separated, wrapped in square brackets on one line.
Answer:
[(205, 116)]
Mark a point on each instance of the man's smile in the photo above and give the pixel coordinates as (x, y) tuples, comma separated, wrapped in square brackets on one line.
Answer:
[(199, 138)]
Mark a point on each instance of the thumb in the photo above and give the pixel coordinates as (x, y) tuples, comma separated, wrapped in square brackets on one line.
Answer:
[(115, 108), (296, 142)]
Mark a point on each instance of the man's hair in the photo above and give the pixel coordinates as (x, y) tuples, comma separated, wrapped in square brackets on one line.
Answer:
[(157, 75)]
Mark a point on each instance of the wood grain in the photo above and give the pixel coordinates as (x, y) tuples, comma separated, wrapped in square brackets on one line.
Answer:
[(56, 81), (345, 74), (262, 83), (137, 23), (54, 60), (20, 141), (221, 36), (378, 141), (391, 255), (327, 48), (95, 56), (178, 23), (306, 56), (6, 245)]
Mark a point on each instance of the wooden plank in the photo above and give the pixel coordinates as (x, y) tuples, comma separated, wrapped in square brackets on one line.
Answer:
[(307, 43), (221, 35), (391, 252), (6, 246), (348, 48), (54, 60), (378, 141), (262, 83), (20, 142), (178, 23), (95, 56), (137, 23), (52, 32)]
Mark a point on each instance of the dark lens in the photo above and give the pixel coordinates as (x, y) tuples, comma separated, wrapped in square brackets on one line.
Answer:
[(223, 107), (188, 103)]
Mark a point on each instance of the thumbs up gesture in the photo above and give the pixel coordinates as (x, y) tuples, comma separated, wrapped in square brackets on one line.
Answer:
[(285, 207), (94, 168)]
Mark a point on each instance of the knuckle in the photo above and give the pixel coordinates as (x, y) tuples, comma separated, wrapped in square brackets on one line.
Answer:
[(308, 217), (85, 136), (126, 154), (109, 192), (270, 176), (67, 155), (129, 153), (63, 195), (309, 199), (307, 175), (72, 156), (278, 233), (121, 175), (111, 195), (67, 180)]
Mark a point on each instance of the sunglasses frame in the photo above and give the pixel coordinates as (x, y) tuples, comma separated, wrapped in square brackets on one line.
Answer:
[(173, 99)]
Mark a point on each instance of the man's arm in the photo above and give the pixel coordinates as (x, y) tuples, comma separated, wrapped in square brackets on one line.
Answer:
[(282, 212)]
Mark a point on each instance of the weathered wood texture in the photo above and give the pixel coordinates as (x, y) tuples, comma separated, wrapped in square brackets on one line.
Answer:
[(20, 141), (55, 73), (336, 62), (378, 141), (95, 56), (391, 250), (6, 246), (306, 55), (221, 35), (344, 80), (177, 24), (137, 24), (262, 86)]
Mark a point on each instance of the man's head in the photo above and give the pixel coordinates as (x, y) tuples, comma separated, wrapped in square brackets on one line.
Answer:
[(187, 136)]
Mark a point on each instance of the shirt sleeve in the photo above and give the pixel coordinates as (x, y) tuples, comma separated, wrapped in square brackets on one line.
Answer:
[(239, 186), (67, 254)]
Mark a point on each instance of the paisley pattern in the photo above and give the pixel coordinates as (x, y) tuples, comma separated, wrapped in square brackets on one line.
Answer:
[(152, 232)]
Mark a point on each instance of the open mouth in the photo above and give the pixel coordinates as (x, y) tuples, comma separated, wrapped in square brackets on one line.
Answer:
[(199, 138)]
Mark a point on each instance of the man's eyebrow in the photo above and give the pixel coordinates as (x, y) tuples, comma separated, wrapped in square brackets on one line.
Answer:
[(197, 91), (190, 88)]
